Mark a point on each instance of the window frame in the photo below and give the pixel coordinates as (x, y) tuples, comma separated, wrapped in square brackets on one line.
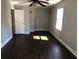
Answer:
[(61, 19)]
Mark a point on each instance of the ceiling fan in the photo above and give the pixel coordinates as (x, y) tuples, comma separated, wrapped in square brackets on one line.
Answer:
[(36, 1)]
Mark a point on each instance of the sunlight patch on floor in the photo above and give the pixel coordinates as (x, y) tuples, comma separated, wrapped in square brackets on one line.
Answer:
[(38, 37), (44, 37)]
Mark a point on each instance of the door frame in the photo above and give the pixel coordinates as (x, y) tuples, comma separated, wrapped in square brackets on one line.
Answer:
[(15, 25)]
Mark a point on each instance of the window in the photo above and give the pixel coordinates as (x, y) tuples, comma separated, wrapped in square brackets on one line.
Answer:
[(59, 19)]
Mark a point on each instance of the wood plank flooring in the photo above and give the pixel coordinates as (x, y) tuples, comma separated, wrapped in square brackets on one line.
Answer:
[(25, 47)]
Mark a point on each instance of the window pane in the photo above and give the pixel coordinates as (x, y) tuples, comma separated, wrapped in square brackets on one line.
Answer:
[(59, 19)]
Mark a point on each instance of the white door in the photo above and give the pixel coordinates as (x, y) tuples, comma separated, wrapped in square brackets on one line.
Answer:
[(19, 22)]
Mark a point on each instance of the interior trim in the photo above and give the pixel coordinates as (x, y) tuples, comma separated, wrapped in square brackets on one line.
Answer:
[(6, 41), (41, 29), (67, 46)]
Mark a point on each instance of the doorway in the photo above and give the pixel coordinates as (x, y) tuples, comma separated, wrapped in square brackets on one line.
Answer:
[(19, 22)]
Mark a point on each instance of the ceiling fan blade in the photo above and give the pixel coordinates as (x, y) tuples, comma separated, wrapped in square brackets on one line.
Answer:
[(31, 4), (44, 2), (41, 4)]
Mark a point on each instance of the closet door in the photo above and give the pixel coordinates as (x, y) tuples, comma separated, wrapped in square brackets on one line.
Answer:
[(19, 22)]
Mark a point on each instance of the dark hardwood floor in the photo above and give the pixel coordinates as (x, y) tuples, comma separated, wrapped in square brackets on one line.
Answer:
[(25, 47)]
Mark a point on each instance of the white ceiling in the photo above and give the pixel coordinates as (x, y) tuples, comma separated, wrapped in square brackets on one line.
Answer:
[(16, 2)]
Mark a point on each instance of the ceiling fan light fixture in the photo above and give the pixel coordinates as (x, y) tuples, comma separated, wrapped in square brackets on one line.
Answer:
[(34, 4)]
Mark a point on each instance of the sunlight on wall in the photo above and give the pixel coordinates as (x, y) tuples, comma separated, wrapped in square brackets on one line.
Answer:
[(59, 19), (54, 1)]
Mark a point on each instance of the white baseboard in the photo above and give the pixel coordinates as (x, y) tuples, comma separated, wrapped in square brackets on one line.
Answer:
[(27, 33), (6, 41), (23, 33), (67, 46), (32, 30), (41, 29)]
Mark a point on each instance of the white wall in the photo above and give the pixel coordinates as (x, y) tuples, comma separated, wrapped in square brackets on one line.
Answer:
[(26, 17), (38, 18), (42, 18), (68, 35), (31, 19), (6, 26)]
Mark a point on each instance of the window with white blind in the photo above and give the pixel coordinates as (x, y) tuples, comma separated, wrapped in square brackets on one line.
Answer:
[(59, 19)]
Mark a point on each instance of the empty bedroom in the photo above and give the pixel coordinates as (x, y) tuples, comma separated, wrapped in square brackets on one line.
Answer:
[(38, 29)]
